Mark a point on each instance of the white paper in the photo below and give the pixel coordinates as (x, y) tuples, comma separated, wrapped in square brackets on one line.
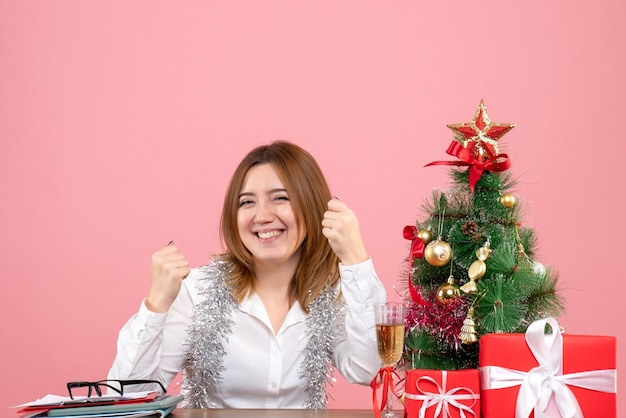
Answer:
[(58, 400)]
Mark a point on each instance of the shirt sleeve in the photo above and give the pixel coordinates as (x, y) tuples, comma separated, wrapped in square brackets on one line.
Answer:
[(152, 345), (355, 353)]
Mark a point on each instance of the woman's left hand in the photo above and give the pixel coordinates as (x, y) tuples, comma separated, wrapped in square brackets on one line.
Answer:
[(341, 226)]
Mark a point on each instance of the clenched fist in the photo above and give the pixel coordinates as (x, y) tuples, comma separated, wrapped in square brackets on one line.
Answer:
[(168, 270), (341, 226)]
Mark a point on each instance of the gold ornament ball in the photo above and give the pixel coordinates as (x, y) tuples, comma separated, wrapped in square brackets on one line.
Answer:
[(448, 291), (438, 253), (425, 235), (507, 200)]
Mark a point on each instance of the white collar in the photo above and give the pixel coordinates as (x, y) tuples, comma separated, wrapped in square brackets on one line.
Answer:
[(253, 305)]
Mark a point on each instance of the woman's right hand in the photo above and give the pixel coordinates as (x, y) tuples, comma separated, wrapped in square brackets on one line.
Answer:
[(169, 269)]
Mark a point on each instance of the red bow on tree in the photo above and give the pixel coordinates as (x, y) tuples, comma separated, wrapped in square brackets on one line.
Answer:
[(476, 145), (478, 165), (417, 251)]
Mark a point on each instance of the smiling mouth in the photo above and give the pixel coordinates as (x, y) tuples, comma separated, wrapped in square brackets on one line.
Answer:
[(268, 234)]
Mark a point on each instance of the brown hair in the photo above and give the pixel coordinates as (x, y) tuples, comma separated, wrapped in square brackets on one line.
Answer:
[(309, 194)]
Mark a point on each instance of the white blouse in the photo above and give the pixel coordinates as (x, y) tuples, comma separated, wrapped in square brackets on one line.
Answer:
[(261, 367)]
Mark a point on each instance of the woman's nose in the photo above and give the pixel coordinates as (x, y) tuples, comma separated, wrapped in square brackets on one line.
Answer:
[(263, 213)]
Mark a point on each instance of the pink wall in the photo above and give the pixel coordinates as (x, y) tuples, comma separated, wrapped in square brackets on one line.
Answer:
[(120, 123)]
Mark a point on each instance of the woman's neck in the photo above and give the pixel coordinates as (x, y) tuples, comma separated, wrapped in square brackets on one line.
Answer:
[(273, 279), (272, 284)]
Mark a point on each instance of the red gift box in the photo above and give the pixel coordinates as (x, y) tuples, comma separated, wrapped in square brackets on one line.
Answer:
[(442, 393), (555, 373)]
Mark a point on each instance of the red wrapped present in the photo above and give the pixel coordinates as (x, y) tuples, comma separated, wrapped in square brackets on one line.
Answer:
[(547, 375), (442, 393)]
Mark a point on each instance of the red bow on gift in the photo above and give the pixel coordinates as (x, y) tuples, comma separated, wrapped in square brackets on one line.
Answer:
[(417, 250), (478, 164)]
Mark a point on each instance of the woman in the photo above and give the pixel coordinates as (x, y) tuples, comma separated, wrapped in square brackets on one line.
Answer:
[(262, 324)]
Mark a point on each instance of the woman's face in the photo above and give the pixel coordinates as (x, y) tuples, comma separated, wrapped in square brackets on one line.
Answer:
[(266, 222)]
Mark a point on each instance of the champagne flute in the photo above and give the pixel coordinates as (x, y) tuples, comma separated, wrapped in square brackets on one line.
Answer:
[(390, 339)]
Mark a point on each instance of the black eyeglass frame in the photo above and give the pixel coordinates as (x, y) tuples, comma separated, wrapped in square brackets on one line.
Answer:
[(97, 386)]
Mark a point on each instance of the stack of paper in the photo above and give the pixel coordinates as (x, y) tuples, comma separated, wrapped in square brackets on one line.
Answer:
[(130, 405)]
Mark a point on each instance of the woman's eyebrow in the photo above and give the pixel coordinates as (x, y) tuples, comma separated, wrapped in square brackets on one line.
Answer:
[(277, 190)]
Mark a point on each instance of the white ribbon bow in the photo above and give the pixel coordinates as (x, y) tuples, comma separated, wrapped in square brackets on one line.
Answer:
[(443, 399), (540, 383)]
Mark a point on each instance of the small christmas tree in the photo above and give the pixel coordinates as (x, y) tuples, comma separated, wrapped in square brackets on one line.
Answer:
[(471, 263)]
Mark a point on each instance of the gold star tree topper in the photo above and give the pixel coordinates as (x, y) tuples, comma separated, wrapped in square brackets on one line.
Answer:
[(480, 136)]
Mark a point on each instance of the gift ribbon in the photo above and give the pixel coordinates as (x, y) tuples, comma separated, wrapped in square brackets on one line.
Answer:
[(540, 383), (477, 165), (383, 378), (417, 251), (442, 399)]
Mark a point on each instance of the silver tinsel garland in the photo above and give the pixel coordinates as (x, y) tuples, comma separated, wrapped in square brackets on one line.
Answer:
[(317, 365), (213, 323)]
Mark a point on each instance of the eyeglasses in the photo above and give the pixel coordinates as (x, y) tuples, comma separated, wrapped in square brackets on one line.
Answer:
[(97, 386)]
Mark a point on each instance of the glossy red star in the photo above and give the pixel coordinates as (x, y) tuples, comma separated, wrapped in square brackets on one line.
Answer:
[(480, 135)]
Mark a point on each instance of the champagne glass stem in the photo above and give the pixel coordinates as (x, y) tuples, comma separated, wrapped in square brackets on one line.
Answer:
[(389, 408), (390, 339)]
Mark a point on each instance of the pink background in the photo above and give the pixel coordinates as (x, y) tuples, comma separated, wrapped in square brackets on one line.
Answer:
[(121, 123)]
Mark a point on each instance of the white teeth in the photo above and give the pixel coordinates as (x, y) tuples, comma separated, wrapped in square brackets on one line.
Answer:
[(267, 235)]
